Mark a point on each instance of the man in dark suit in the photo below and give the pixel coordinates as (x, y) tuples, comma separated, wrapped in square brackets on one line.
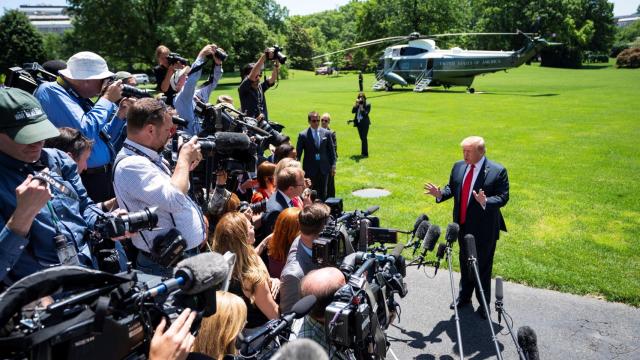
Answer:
[(361, 120), (319, 155), (290, 184), (480, 187)]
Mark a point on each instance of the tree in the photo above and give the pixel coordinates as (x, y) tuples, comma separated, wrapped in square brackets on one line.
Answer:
[(20, 41), (300, 45)]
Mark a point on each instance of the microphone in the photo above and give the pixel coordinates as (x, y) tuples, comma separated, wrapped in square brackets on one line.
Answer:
[(371, 210), (230, 141), (499, 296), (194, 275), (301, 308), (433, 234), (470, 245), (420, 233), (439, 254), (453, 229), (419, 220), (528, 342)]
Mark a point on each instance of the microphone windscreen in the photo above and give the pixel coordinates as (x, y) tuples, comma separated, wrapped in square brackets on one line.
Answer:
[(301, 349), (422, 229), (202, 272), (230, 141), (397, 251), (303, 306), (441, 249), (453, 229), (499, 293), (470, 245), (419, 221), (528, 342), (430, 240), (372, 209)]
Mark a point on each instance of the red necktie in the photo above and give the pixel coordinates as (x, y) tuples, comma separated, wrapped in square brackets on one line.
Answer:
[(464, 197)]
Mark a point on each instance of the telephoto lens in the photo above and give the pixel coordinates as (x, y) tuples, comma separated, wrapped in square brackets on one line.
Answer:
[(140, 220)]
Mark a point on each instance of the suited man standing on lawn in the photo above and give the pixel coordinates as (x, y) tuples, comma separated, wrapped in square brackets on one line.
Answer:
[(479, 187), (319, 155)]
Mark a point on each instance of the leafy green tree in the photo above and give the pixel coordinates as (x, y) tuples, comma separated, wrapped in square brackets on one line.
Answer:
[(300, 45), (20, 41)]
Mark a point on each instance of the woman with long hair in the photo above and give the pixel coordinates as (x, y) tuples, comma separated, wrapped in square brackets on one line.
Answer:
[(286, 229), (218, 333), (250, 279)]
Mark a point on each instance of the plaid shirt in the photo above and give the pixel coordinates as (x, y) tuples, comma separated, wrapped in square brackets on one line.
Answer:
[(314, 330)]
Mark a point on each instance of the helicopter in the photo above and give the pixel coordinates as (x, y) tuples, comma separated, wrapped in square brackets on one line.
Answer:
[(422, 63)]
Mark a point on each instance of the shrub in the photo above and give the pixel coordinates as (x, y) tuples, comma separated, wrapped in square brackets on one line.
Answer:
[(629, 58)]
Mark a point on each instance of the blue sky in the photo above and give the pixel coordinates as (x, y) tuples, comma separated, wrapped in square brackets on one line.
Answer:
[(304, 7)]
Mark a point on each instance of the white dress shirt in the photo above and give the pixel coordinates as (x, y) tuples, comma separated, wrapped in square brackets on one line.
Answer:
[(145, 181)]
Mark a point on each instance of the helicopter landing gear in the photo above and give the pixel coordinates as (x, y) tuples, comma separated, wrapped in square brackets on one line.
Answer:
[(471, 90)]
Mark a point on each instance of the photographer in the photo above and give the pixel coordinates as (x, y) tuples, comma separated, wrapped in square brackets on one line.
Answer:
[(184, 101), (164, 71), (142, 179), (323, 284), (67, 103), (299, 260), (361, 120), (33, 213), (251, 90)]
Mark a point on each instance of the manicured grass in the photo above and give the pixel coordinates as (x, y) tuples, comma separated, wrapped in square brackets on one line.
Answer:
[(569, 139)]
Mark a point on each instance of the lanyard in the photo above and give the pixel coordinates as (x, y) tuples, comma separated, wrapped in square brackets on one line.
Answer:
[(141, 153)]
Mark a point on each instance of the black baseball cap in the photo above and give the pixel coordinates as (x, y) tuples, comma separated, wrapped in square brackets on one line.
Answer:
[(22, 117)]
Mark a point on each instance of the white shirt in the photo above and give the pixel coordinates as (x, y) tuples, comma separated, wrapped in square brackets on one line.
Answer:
[(145, 181), (476, 171)]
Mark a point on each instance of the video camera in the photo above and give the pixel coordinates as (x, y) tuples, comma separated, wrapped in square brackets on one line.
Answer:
[(127, 90), (174, 58), (28, 77), (256, 208), (103, 316), (347, 232), (365, 307)]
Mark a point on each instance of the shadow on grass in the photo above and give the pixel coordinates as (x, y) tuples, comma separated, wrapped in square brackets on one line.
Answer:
[(476, 344), (593, 67), (518, 94), (357, 158)]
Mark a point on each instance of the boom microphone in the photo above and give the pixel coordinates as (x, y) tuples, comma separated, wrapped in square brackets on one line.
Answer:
[(499, 296), (439, 255), (453, 229), (194, 275), (419, 220), (301, 308), (371, 210), (420, 233), (528, 341)]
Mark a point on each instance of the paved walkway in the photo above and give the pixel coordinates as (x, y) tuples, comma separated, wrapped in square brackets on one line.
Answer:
[(567, 326)]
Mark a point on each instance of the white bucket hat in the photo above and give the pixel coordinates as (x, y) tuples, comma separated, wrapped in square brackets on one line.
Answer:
[(86, 65)]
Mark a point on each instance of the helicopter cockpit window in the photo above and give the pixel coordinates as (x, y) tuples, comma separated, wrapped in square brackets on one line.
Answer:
[(408, 51)]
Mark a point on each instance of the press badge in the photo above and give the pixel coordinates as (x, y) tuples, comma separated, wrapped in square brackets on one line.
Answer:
[(317, 157)]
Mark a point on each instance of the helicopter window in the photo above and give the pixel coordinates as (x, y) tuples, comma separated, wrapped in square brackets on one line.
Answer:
[(411, 64), (408, 51)]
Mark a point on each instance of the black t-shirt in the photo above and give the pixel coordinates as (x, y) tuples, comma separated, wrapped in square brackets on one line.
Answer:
[(255, 317), (160, 72), (252, 101)]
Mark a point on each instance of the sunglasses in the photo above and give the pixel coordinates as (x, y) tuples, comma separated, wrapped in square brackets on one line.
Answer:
[(314, 120)]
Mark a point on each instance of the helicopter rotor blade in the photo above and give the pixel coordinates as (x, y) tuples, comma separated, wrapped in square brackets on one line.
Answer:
[(381, 40), (474, 34), (338, 51)]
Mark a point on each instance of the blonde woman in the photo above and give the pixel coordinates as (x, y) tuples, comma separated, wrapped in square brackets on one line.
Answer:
[(218, 333), (250, 279)]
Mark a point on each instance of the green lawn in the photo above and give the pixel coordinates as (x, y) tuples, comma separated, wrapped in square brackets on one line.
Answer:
[(569, 139)]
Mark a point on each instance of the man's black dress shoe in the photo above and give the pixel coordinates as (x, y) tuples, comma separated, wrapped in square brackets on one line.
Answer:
[(460, 303)]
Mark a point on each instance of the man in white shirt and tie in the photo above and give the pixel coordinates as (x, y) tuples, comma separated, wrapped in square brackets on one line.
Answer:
[(315, 147)]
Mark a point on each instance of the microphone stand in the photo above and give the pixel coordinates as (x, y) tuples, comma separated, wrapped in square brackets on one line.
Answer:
[(501, 312), (474, 264), (453, 296)]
